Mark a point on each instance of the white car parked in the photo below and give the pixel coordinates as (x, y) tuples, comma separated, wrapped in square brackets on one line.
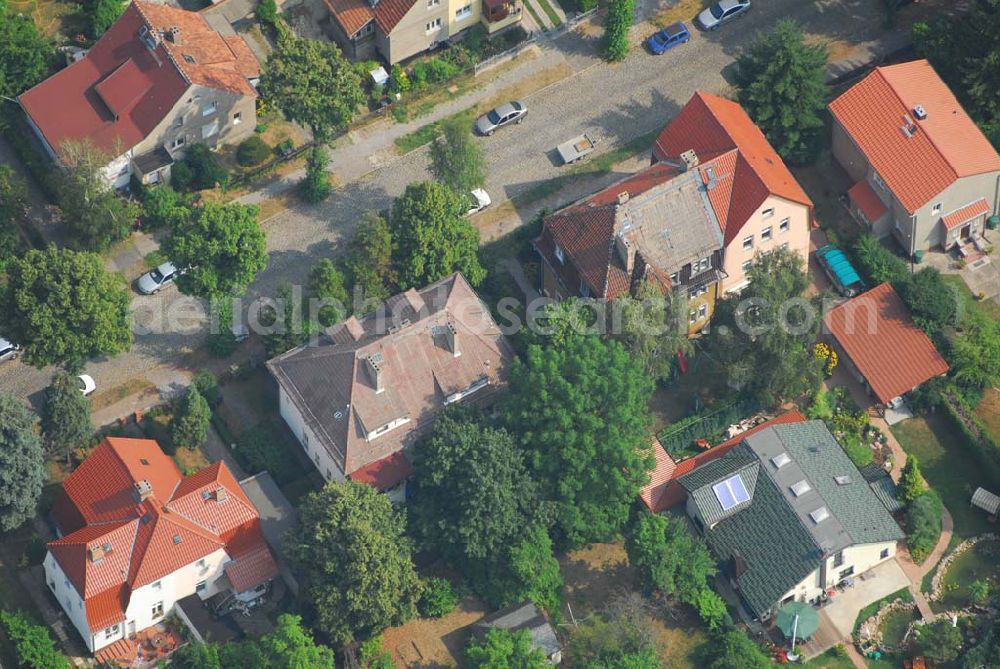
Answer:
[(86, 384), (8, 351), (480, 200), (156, 280)]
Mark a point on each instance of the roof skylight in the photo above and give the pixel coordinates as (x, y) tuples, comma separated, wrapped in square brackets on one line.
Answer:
[(819, 515), (800, 488)]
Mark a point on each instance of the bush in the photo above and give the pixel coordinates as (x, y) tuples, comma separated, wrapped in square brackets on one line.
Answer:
[(621, 14), (35, 648), (163, 207), (439, 598), (191, 418), (267, 12), (252, 151), (200, 169), (923, 525), (315, 187), (877, 263), (263, 447), (208, 386)]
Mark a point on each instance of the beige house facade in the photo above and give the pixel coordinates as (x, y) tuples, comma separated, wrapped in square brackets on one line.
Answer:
[(923, 172)]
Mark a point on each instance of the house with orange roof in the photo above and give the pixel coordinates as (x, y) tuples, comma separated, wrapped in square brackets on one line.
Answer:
[(399, 29), (758, 203), (159, 80), (882, 347), (924, 173), (135, 536), (715, 195)]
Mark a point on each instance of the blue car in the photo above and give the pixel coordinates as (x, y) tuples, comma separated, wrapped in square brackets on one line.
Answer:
[(668, 38)]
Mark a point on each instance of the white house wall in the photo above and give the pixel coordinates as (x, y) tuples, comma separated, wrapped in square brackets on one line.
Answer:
[(862, 558), (68, 598), (316, 452)]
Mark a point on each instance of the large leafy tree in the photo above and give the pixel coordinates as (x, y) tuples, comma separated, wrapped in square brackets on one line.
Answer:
[(668, 557), (351, 547), (24, 54), (964, 52), (63, 307), (97, 216), (22, 464), (221, 247), (313, 84), (289, 646), (763, 337), (473, 496), (933, 302), (732, 649), (191, 419), (649, 327), (782, 86), (34, 647), (66, 416), (501, 649), (975, 355), (940, 641), (431, 239), (456, 159), (581, 411), (368, 261), (326, 284), (527, 569), (13, 205)]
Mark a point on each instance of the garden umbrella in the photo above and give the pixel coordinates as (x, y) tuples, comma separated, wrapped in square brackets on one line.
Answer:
[(798, 618)]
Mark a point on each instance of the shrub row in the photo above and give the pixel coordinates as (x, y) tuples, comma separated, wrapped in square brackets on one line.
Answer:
[(679, 436), (976, 435)]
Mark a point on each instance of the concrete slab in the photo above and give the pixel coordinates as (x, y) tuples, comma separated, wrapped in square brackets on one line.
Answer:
[(869, 587), (899, 414)]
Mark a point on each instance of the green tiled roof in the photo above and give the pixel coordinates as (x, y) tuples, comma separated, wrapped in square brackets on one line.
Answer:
[(713, 471), (855, 505), (708, 504), (885, 490), (779, 552)]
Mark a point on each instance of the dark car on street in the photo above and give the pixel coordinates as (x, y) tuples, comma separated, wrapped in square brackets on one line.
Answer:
[(668, 38)]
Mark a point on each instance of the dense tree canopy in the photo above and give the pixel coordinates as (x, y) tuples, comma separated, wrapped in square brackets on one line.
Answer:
[(782, 86), (221, 247), (191, 418), (501, 649), (66, 417), (34, 647), (368, 261), (622, 636), (13, 205), (94, 212), (975, 353), (430, 237), (732, 649), (940, 641), (63, 307), (763, 337), (22, 465), (651, 327), (526, 570), (472, 493), (24, 54), (963, 49), (933, 302), (289, 646), (326, 284), (668, 557), (877, 263), (350, 545), (590, 454), (457, 159), (103, 14), (313, 84)]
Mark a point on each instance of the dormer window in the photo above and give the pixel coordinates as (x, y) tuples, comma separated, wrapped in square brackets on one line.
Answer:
[(560, 256)]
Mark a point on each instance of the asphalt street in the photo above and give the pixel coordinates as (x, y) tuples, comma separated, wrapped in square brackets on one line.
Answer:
[(616, 102)]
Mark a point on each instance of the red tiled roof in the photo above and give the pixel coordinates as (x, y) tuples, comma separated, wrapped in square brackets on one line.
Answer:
[(664, 492), (867, 200), (747, 168), (142, 542), (116, 95), (385, 473), (353, 15), (876, 332), (945, 146), (250, 569), (966, 213)]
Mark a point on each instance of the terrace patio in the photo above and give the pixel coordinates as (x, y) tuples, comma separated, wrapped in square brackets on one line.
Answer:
[(143, 649)]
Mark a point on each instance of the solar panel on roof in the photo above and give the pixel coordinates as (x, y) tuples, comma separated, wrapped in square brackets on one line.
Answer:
[(730, 492)]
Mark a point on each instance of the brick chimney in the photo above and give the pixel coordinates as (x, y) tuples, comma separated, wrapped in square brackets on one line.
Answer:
[(175, 35), (95, 553), (143, 490), (451, 337), (690, 160), (373, 365)]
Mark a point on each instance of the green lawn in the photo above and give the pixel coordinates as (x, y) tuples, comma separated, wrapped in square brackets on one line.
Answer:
[(551, 13), (969, 301), (534, 15), (426, 134), (829, 660), (950, 469)]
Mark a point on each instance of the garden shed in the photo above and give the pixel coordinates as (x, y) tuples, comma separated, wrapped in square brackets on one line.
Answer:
[(987, 501)]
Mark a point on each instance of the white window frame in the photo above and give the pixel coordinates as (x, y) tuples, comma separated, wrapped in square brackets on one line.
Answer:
[(237, 118), (693, 317), (432, 25), (766, 234), (702, 311), (463, 13), (877, 180), (209, 109), (210, 129), (785, 225), (201, 585), (431, 4), (767, 213), (748, 243), (178, 142), (157, 610), (746, 266), (936, 209), (560, 255)]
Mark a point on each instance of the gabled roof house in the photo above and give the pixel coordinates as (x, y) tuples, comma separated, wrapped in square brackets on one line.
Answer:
[(361, 395), (882, 346), (136, 536), (923, 171), (788, 516), (159, 80)]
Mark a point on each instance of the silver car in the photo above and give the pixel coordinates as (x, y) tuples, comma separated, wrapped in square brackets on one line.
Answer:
[(721, 12), (510, 112), (8, 351), (159, 278)]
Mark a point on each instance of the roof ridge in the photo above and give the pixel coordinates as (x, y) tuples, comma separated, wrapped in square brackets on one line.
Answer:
[(906, 110)]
